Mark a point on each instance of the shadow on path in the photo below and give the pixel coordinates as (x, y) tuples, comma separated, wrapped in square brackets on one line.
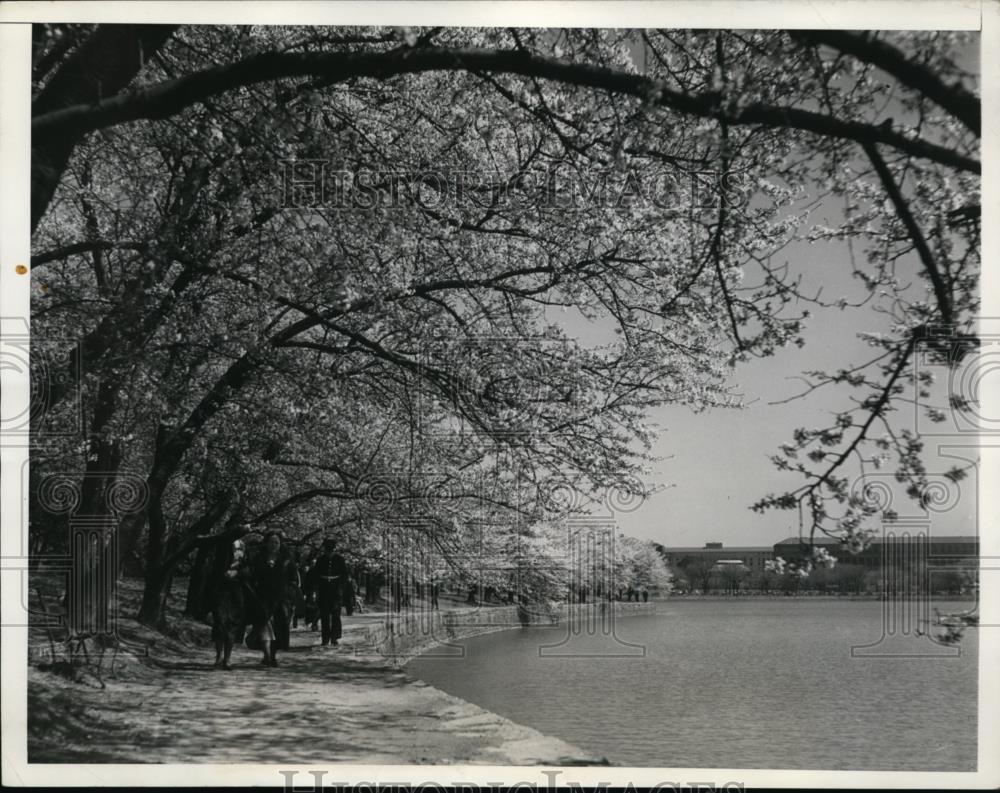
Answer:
[(319, 706)]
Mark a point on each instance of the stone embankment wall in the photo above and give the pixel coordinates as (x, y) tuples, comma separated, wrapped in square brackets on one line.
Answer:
[(407, 634)]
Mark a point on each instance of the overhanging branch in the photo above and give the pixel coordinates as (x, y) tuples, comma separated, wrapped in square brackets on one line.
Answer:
[(941, 292), (962, 104), (170, 97)]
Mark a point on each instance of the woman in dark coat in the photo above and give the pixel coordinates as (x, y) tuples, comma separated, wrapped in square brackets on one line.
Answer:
[(227, 600), (273, 586)]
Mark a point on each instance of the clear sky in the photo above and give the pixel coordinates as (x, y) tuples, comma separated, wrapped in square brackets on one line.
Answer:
[(716, 463)]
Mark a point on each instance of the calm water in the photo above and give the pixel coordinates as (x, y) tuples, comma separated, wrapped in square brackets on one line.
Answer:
[(742, 683)]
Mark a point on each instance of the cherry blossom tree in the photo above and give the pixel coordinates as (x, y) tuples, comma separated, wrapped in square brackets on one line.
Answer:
[(262, 357)]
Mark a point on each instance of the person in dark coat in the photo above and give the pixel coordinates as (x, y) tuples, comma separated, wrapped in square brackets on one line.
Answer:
[(227, 600), (435, 588), (332, 585), (273, 583)]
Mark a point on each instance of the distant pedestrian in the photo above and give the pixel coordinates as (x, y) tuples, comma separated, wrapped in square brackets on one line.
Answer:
[(645, 595), (305, 606), (359, 602)]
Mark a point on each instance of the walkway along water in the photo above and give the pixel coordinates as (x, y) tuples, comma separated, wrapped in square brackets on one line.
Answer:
[(349, 704)]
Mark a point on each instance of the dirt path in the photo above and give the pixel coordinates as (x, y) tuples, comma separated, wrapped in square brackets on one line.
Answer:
[(319, 706)]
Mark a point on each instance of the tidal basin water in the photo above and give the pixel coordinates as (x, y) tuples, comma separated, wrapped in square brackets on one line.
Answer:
[(733, 683)]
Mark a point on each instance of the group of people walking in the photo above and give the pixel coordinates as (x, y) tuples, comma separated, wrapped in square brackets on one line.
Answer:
[(266, 589), (633, 593)]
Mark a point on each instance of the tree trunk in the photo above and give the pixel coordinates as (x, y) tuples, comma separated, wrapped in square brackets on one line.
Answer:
[(162, 557), (154, 593), (154, 598), (373, 588)]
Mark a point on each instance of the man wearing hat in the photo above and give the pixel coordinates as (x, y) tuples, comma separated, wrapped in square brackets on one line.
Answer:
[(333, 590)]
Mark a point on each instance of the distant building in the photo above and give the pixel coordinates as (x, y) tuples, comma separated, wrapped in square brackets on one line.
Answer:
[(753, 557), (897, 546), (939, 552)]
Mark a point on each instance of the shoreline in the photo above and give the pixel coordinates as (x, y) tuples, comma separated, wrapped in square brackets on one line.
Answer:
[(966, 598), (404, 637)]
